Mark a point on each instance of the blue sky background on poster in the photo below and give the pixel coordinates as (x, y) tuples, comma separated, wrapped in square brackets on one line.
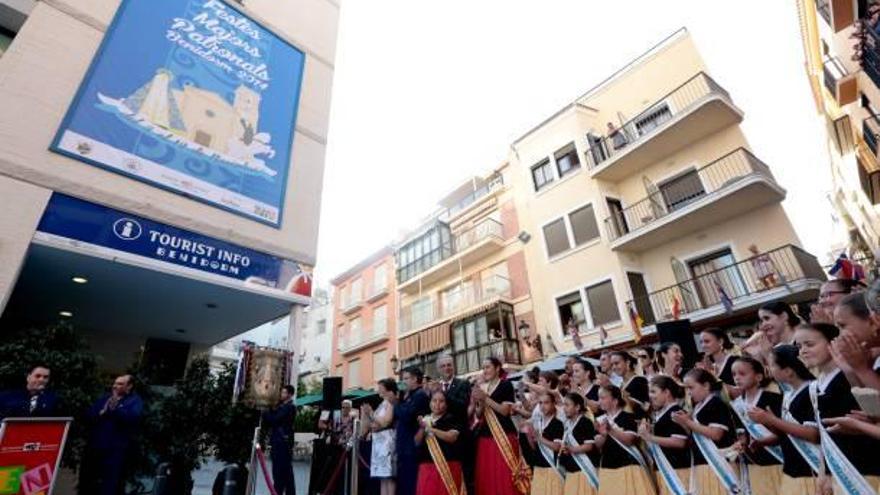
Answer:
[(195, 97)]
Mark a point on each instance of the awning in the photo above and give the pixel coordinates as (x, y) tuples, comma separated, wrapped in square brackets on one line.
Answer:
[(309, 400), (554, 363)]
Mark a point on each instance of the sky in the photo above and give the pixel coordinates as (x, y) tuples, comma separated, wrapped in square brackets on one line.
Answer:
[(428, 94)]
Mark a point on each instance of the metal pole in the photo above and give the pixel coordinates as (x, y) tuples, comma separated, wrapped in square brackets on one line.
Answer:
[(252, 465), (355, 453)]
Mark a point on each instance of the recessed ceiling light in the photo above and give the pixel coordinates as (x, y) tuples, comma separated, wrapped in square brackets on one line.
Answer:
[(66, 314), (210, 305), (180, 330), (80, 280)]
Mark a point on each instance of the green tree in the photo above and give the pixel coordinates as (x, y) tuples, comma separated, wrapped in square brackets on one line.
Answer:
[(74, 371)]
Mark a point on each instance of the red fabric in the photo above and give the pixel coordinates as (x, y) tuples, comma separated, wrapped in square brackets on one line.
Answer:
[(492, 476), (430, 482)]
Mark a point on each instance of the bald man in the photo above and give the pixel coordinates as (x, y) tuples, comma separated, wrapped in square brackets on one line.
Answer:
[(113, 422)]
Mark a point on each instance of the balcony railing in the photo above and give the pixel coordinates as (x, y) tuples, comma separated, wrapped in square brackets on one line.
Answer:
[(495, 182), (646, 123), (824, 9), (352, 305), (871, 133), (685, 190), (349, 341), (485, 229), (464, 296), (832, 72), (871, 53), (774, 269)]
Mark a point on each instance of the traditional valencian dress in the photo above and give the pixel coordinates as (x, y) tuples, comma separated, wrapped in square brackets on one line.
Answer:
[(440, 462), (498, 469), (582, 476), (622, 472), (673, 465)]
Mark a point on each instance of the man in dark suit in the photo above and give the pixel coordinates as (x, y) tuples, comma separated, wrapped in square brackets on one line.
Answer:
[(280, 420), (31, 401), (414, 403), (458, 398), (113, 421)]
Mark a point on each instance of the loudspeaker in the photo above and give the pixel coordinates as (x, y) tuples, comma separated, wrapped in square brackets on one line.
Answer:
[(332, 393), (679, 332)]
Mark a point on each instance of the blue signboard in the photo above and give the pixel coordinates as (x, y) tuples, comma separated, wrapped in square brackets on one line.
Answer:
[(192, 96), (73, 218)]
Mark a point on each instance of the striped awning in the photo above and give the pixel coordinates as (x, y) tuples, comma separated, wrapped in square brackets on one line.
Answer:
[(434, 338), (408, 347)]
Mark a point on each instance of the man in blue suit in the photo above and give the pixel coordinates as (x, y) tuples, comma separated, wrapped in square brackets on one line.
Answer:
[(414, 403), (280, 420), (32, 401), (113, 422)]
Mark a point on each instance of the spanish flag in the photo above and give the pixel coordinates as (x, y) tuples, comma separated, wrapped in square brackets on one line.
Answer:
[(676, 307), (637, 322)]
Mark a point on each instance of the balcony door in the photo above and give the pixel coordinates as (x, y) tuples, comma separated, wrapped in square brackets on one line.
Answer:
[(641, 298), (714, 272), (618, 218), (679, 191)]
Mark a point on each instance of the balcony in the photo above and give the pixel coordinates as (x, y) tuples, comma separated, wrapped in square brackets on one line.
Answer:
[(694, 110), (469, 246), (838, 14), (732, 185), (463, 298), (377, 293), (842, 85), (787, 272), (870, 48), (352, 306), (871, 133), (358, 340)]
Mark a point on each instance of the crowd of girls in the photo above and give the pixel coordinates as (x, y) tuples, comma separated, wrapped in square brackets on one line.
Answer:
[(780, 413)]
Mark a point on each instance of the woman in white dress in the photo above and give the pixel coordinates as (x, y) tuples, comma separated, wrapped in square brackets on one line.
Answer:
[(383, 458)]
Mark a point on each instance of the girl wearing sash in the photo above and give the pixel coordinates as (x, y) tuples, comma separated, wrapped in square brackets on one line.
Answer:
[(498, 468), (796, 427), (583, 375), (547, 479), (717, 345), (635, 387), (712, 427), (670, 359), (851, 459), (579, 455), (673, 459), (438, 454), (858, 332), (621, 471), (763, 455)]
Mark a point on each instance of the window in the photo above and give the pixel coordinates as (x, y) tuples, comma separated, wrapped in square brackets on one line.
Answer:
[(423, 252), (567, 160), (556, 237), (870, 182), (343, 297), (354, 327), (380, 365), (5, 40), (590, 308), (320, 327), (380, 320), (380, 278), (583, 225), (542, 174), (356, 291), (354, 373), (603, 304), (492, 333), (653, 118), (571, 308), (679, 191)]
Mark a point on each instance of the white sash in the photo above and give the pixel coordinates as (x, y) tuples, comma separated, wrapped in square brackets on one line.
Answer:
[(582, 460), (667, 472), (846, 475), (633, 452), (548, 454), (810, 452), (756, 430), (715, 459)]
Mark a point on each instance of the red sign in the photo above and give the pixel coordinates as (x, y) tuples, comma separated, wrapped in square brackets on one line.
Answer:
[(30, 454)]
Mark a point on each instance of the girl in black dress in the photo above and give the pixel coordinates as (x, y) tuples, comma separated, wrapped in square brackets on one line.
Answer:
[(717, 346), (621, 472), (671, 438)]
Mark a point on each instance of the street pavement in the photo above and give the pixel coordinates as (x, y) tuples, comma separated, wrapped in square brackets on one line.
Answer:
[(204, 478)]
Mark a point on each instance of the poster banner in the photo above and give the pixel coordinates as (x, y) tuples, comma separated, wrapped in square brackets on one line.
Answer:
[(192, 96), (30, 454), (71, 218)]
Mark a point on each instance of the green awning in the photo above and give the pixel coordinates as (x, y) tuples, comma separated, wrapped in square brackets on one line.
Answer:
[(309, 400)]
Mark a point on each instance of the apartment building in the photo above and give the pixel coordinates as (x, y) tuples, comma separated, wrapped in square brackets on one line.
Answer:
[(462, 281), (365, 321), (842, 51), (643, 201)]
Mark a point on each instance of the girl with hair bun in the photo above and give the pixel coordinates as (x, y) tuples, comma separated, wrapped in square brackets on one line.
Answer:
[(667, 440), (635, 387), (712, 429), (621, 471), (798, 437), (762, 454)]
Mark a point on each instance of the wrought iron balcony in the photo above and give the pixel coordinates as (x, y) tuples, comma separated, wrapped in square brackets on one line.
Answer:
[(691, 111), (782, 272), (462, 298)]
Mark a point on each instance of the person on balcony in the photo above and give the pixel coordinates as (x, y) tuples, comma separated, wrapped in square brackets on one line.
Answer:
[(618, 139)]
